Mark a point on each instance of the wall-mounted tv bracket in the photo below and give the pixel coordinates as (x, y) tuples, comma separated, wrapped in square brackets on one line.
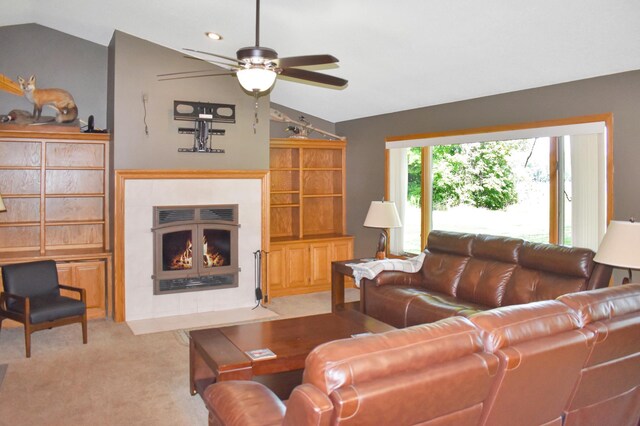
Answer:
[(203, 115)]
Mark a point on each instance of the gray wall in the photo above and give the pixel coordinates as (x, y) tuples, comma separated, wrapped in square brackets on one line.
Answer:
[(58, 60), (619, 94), (134, 66)]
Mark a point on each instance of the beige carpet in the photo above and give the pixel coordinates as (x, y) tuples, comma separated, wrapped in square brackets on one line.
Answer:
[(118, 378)]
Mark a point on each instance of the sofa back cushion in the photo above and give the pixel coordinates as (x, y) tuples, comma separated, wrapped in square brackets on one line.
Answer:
[(541, 348), (487, 273), (546, 271), (609, 388), (447, 255), (390, 378)]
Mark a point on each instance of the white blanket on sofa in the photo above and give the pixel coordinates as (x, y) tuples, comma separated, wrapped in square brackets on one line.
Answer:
[(371, 269)]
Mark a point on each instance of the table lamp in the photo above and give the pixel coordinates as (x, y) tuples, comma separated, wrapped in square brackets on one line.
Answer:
[(2, 207), (620, 246), (384, 215)]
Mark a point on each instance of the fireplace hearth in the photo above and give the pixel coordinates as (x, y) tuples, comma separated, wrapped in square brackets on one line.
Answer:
[(195, 248)]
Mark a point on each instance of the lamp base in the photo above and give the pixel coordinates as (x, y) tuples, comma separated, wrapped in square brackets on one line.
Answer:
[(381, 251)]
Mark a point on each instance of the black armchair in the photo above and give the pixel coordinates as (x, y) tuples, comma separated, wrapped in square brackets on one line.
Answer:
[(32, 296)]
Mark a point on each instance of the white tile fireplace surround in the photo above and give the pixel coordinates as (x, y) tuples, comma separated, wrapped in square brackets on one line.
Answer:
[(140, 196)]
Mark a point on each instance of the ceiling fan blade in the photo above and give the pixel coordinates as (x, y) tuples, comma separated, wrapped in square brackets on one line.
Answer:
[(234, 60), (313, 76), (191, 76), (224, 65), (301, 61), (181, 72)]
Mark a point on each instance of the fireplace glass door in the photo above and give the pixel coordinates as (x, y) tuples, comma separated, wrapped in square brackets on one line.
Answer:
[(195, 248), (216, 248), (177, 251)]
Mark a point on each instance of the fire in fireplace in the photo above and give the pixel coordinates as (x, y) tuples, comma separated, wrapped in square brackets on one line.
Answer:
[(195, 248)]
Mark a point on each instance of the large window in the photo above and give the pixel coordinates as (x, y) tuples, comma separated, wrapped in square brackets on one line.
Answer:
[(551, 187)]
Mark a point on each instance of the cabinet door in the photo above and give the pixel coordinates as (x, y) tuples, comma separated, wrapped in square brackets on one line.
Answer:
[(297, 264), (90, 276), (321, 254), (342, 250), (276, 274)]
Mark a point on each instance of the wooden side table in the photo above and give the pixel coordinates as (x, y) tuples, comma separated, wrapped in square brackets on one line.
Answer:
[(339, 270)]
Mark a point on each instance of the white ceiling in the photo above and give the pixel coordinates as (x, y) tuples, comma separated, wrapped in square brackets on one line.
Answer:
[(396, 55)]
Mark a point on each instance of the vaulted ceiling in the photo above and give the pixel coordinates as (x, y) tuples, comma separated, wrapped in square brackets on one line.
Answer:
[(396, 55)]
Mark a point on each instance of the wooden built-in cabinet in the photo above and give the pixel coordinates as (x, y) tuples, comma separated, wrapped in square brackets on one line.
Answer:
[(307, 214), (54, 187)]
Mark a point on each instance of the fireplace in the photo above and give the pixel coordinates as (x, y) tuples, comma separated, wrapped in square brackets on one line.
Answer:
[(195, 248)]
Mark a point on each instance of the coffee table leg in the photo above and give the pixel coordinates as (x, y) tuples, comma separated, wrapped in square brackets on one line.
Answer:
[(200, 374), (337, 288)]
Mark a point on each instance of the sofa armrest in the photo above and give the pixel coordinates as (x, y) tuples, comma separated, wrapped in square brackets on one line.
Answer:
[(308, 405), (409, 279), (242, 403)]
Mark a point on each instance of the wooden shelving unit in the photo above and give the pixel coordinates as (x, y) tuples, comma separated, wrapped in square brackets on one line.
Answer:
[(307, 214), (55, 188)]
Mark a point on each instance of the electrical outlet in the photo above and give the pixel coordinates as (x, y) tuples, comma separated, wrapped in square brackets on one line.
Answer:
[(145, 97)]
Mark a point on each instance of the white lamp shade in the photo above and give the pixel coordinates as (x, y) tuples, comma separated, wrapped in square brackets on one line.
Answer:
[(382, 214), (2, 207), (620, 246), (257, 78)]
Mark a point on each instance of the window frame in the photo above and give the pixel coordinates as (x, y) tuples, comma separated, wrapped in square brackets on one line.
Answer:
[(481, 134)]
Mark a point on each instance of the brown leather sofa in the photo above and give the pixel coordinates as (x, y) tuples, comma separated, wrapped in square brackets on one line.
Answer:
[(571, 361), (463, 274)]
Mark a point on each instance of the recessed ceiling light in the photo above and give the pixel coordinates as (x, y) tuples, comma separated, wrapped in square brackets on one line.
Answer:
[(213, 36)]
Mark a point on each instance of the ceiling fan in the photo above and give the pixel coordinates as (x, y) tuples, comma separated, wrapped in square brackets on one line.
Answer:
[(257, 66)]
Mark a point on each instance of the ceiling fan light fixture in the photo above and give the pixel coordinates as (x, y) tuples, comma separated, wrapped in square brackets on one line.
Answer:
[(256, 78), (213, 36)]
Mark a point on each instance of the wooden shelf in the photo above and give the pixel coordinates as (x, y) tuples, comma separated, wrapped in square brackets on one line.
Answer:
[(19, 167), (284, 205), (12, 224), (20, 196), (307, 216), (77, 195), (307, 187), (74, 222), (74, 168), (55, 189)]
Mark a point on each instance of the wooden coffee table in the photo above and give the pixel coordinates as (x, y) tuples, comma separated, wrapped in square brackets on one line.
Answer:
[(217, 354)]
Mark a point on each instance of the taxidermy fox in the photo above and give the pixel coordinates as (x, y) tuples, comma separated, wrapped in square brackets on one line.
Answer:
[(58, 99)]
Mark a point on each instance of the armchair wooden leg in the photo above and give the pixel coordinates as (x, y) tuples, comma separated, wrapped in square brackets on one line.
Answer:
[(84, 328), (27, 339)]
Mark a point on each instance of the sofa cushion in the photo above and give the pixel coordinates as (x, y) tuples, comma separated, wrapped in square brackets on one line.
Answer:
[(512, 325), (428, 374), (530, 285), (484, 281), (487, 273), (346, 362), (442, 272), (559, 260), (450, 242), (541, 348), (431, 307), (389, 302)]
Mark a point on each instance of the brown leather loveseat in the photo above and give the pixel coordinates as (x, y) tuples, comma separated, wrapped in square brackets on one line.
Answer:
[(463, 274), (571, 361)]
